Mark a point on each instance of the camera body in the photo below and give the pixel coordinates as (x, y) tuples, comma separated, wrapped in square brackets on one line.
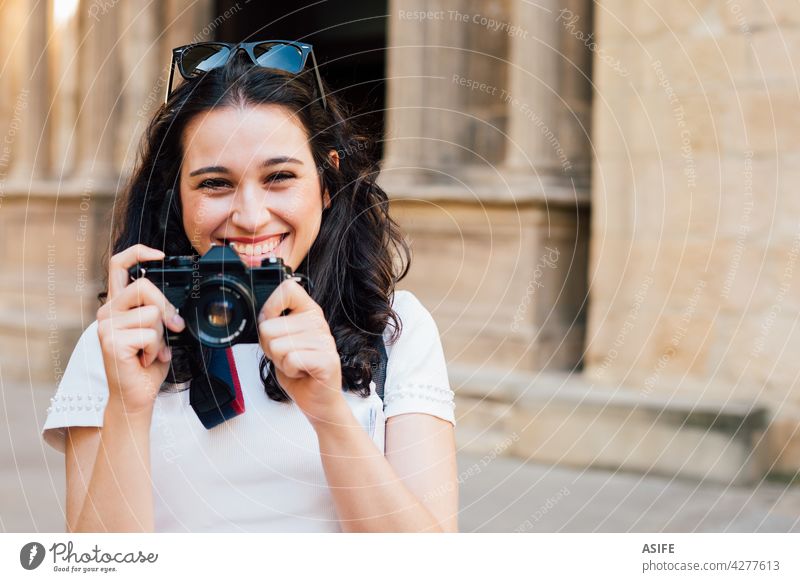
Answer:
[(217, 295)]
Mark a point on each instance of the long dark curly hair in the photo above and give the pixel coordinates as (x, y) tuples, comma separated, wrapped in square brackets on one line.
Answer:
[(359, 253)]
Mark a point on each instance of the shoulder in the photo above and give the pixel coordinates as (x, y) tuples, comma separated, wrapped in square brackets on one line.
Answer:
[(405, 301), (412, 315)]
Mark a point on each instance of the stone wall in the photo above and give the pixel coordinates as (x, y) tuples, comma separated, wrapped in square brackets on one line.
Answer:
[(78, 90), (488, 176), (696, 222), (487, 161)]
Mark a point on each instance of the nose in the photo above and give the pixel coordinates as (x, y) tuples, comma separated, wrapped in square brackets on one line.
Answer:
[(250, 212)]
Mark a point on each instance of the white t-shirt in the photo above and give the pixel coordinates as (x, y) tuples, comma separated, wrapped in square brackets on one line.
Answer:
[(260, 471)]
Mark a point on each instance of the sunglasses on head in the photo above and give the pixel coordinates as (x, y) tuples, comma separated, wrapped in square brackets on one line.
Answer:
[(195, 59)]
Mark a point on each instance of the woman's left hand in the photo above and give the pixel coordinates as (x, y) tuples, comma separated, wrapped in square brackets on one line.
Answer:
[(303, 352)]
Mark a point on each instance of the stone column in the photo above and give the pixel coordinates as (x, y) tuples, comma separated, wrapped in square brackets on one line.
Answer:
[(445, 56), (62, 58), (425, 126), (31, 158), (575, 83), (532, 98), (100, 82), (143, 60), (405, 87)]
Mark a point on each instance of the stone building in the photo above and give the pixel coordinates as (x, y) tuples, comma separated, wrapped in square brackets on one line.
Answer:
[(598, 196)]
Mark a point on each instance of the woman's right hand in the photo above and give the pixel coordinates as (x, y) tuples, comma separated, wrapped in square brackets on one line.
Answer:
[(131, 330)]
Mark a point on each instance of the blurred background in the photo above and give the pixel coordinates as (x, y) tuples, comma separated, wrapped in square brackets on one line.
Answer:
[(600, 198)]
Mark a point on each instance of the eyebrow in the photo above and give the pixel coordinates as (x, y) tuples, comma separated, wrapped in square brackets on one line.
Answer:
[(265, 164)]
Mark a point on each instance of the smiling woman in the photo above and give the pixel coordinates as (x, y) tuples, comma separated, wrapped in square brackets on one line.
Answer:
[(255, 157)]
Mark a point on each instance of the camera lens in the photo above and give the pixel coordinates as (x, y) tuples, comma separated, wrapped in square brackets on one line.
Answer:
[(219, 311)]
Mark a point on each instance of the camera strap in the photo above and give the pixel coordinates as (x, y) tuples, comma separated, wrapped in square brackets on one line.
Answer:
[(221, 398)]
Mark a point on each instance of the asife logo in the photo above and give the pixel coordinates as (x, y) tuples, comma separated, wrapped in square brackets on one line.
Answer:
[(31, 555)]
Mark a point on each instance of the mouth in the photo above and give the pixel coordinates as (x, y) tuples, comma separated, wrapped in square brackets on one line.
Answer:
[(255, 253)]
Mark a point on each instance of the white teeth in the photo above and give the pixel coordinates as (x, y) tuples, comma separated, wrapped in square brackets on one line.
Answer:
[(256, 250)]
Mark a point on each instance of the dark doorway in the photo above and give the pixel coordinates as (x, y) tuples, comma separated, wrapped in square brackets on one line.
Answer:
[(349, 41)]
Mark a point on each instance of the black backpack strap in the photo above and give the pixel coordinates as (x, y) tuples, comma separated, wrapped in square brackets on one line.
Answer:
[(379, 375)]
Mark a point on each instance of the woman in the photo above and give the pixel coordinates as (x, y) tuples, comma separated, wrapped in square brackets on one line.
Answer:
[(262, 159)]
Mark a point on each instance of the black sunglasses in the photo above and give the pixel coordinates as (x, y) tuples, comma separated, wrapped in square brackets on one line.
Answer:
[(286, 55)]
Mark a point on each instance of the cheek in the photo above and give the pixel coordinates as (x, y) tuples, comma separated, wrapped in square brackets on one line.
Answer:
[(201, 218), (307, 218)]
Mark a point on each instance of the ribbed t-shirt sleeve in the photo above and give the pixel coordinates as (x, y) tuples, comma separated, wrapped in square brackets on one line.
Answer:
[(416, 373), (82, 393)]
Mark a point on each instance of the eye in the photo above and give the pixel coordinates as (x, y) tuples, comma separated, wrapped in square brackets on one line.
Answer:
[(280, 177), (212, 184)]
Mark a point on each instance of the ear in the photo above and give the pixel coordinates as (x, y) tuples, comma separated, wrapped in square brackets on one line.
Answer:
[(333, 156)]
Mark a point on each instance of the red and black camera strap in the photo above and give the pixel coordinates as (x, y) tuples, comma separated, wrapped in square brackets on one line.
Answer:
[(220, 398)]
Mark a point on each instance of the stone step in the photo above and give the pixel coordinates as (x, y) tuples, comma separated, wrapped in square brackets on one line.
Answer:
[(562, 419)]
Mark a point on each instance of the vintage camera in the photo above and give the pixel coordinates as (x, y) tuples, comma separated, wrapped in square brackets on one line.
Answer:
[(217, 295)]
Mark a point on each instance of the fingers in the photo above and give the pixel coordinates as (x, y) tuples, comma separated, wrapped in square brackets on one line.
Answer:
[(151, 350), (119, 264), (288, 295), (137, 329), (300, 363), (123, 296), (143, 292), (295, 324), (165, 353), (279, 349), (299, 344), (128, 342), (144, 316)]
